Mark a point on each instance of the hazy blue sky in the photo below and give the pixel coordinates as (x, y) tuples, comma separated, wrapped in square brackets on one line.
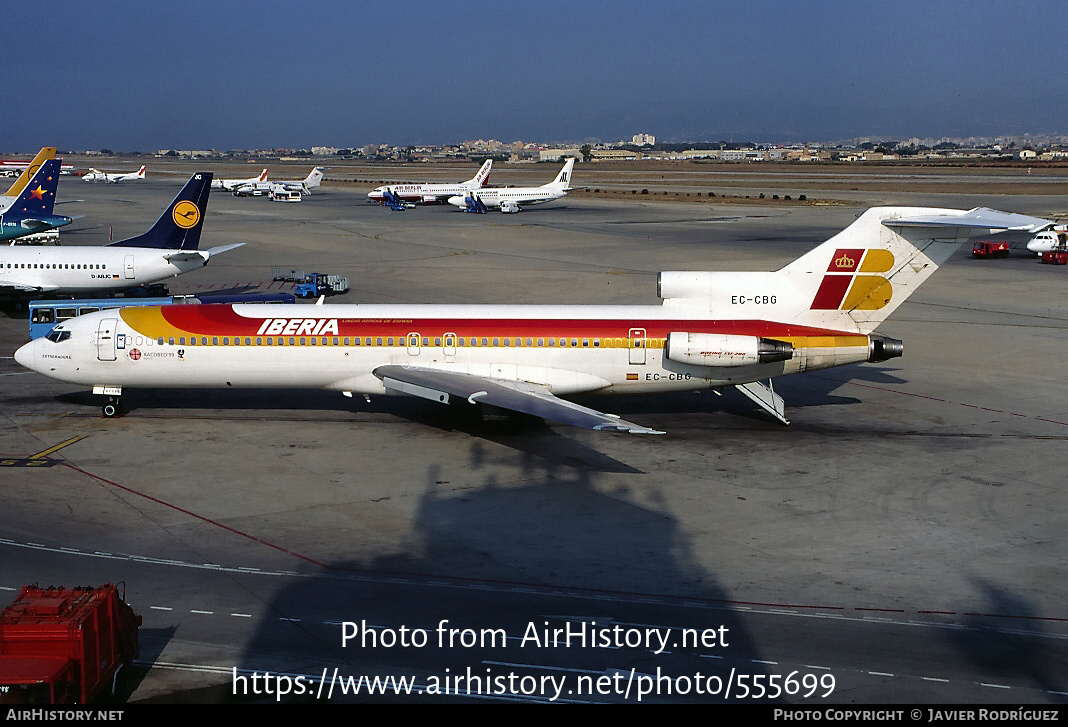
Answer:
[(146, 75)]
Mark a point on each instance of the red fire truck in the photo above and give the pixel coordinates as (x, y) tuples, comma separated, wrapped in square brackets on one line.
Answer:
[(64, 645)]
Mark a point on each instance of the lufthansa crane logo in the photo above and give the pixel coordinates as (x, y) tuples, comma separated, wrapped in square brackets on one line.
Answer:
[(185, 214), (845, 262)]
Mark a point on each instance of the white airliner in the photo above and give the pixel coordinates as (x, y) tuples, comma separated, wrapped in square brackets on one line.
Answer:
[(304, 186), (1048, 241), (713, 330), (168, 249), (431, 193), (231, 184), (95, 175), (513, 199)]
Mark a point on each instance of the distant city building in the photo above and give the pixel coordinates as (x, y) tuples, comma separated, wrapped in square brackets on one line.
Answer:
[(322, 151), (555, 155), (643, 139)]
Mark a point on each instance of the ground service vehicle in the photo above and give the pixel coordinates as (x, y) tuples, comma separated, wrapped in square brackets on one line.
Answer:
[(316, 284), (1055, 257), (65, 645), (990, 249)]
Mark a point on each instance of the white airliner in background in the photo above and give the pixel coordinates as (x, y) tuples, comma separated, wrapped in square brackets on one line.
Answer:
[(431, 193), (1048, 241), (168, 249), (513, 199), (713, 330), (231, 184), (304, 186), (95, 175)]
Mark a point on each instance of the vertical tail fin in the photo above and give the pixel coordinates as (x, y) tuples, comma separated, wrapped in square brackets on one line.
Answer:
[(141, 173), (39, 196), (46, 153), (479, 180), (178, 228), (315, 177), (563, 179), (855, 280), (263, 176)]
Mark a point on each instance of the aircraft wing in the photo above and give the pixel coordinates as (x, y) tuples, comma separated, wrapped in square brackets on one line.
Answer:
[(979, 218), (6, 287), (438, 385)]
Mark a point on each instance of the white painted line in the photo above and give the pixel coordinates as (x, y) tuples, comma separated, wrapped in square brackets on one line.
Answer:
[(206, 613), (813, 666), (5, 588), (762, 661), (291, 620), (161, 608), (242, 615), (880, 674), (934, 679), (995, 686)]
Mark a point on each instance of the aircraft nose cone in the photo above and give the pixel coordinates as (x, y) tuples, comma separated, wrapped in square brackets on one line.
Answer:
[(24, 356)]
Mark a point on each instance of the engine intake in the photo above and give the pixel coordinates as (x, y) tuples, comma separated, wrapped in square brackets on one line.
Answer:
[(724, 350)]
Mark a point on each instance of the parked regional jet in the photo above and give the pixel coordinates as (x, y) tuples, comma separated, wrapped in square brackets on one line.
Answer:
[(713, 330), (513, 199), (46, 153), (166, 250), (258, 189), (1048, 241), (31, 212), (231, 184), (95, 175), (431, 193)]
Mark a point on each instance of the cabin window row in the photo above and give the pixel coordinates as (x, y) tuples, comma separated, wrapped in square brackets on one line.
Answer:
[(52, 266), (404, 342)]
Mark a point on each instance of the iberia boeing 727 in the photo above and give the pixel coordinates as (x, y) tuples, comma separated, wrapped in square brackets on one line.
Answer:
[(713, 330)]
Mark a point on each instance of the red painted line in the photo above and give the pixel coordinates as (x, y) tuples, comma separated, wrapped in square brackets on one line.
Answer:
[(973, 406), (885, 610), (999, 411), (881, 388), (1051, 421), (195, 515), (943, 613)]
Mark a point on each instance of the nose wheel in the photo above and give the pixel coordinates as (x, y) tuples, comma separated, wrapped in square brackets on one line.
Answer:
[(113, 408)]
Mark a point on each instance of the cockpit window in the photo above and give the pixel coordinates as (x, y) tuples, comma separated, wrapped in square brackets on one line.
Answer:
[(57, 335)]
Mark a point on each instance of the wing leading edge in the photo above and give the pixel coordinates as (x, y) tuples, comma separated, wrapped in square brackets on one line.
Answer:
[(438, 385)]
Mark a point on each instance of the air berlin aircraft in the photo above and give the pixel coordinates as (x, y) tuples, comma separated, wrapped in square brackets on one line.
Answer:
[(713, 330)]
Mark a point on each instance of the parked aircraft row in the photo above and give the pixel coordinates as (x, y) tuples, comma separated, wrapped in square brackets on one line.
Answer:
[(31, 211), (474, 195), (95, 175), (259, 185), (818, 312)]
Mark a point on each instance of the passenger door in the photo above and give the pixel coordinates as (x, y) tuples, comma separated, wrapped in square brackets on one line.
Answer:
[(105, 339)]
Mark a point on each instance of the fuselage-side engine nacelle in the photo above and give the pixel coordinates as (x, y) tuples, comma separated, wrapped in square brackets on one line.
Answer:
[(720, 350)]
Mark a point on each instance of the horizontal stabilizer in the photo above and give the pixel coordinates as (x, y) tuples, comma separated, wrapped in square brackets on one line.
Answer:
[(439, 385), (980, 218)]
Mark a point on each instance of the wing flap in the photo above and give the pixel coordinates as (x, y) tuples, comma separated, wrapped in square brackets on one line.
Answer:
[(438, 385), (980, 218)]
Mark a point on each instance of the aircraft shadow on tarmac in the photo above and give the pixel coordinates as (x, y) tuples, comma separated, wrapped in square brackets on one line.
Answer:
[(1008, 641), (503, 555)]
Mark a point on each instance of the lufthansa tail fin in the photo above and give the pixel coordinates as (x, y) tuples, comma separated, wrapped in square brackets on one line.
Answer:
[(178, 228), (39, 196), (46, 153)]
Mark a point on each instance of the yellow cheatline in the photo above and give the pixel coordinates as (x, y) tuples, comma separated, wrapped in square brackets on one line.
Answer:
[(44, 453)]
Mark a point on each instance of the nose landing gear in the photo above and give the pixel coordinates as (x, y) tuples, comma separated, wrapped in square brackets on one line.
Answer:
[(113, 408)]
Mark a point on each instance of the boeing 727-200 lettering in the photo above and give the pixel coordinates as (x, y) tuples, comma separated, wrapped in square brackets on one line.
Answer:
[(713, 330)]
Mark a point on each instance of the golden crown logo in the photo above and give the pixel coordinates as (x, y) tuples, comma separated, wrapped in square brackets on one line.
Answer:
[(844, 262)]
